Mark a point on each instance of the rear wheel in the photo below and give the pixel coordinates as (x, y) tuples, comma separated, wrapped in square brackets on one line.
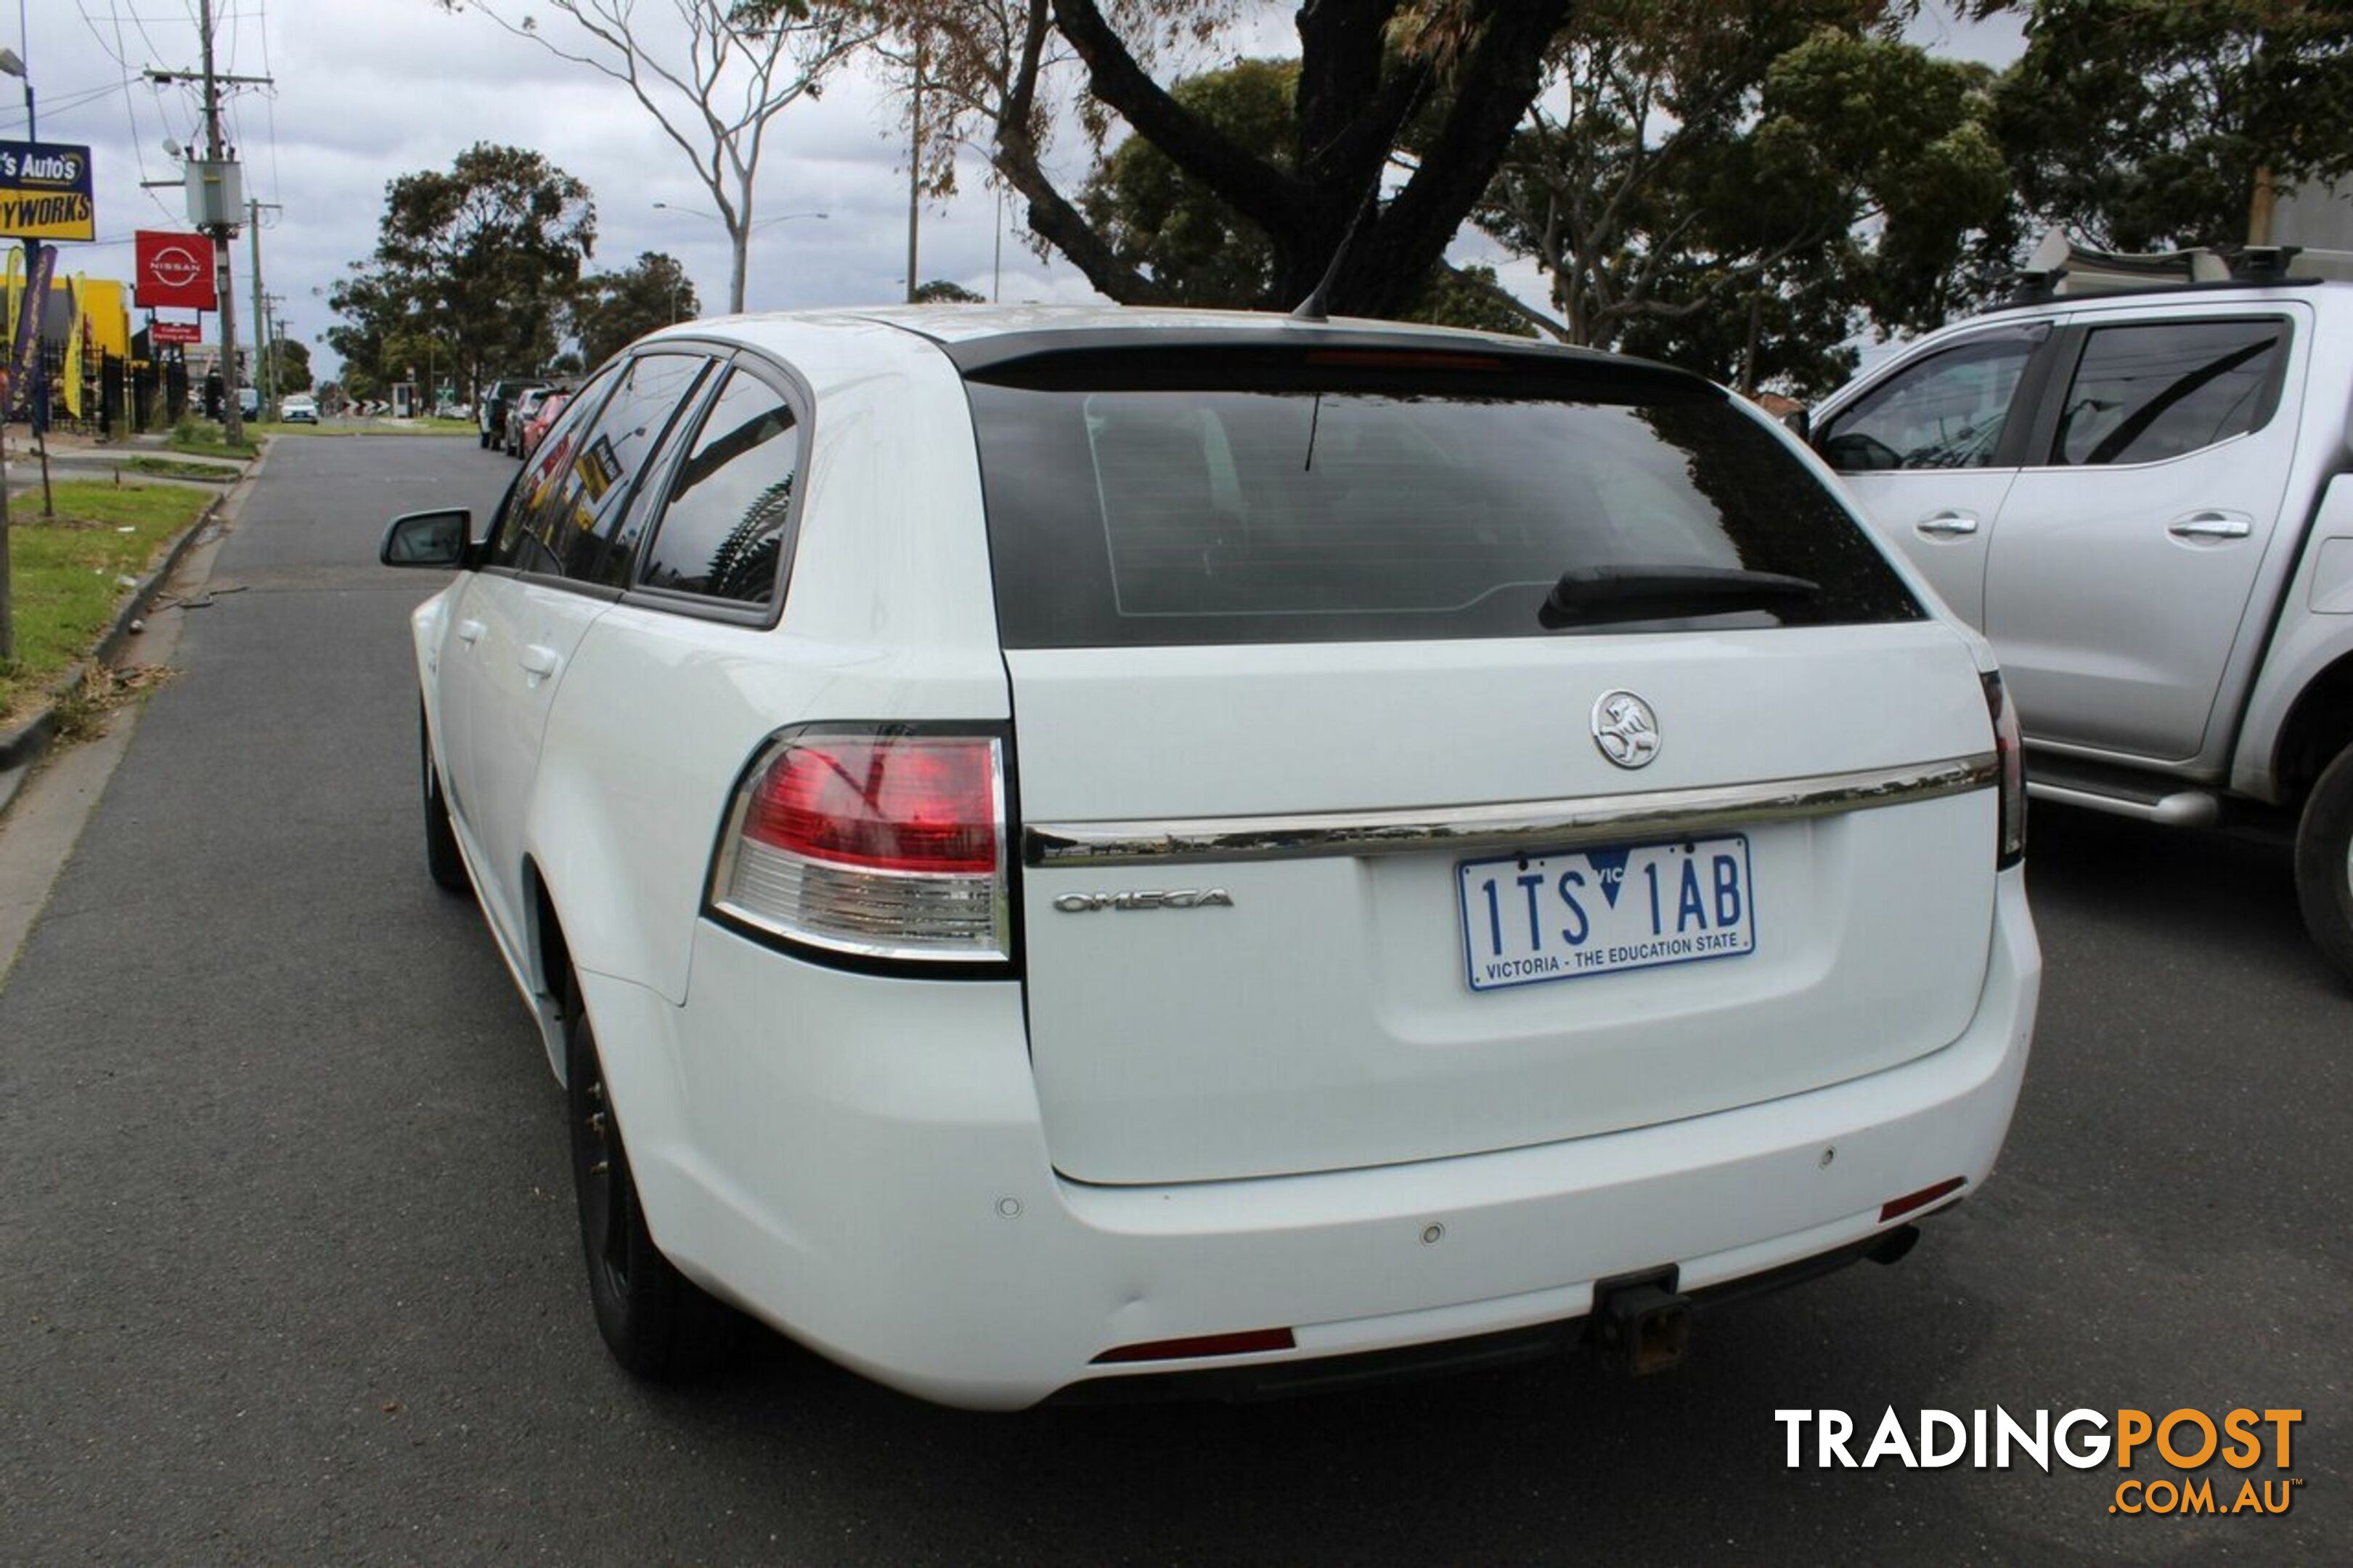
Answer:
[(2324, 863), (655, 1321), (441, 857)]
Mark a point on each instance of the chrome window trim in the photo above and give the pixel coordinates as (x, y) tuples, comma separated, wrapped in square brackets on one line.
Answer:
[(1514, 825)]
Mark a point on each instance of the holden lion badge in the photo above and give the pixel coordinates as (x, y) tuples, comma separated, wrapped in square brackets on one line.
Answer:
[(1625, 729)]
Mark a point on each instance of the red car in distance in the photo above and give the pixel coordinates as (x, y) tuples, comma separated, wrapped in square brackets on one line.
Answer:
[(536, 425)]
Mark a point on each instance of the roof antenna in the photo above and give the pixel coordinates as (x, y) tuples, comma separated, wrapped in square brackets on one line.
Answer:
[(1311, 309)]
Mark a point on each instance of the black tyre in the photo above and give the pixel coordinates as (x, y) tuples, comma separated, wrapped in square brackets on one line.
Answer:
[(2324, 863), (655, 1321), (441, 857)]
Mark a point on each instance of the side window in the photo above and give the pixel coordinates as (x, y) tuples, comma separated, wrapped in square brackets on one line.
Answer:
[(723, 532), (572, 490), (2142, 394), (527, 520), (625, 541), (612, 452), (1947, 412)]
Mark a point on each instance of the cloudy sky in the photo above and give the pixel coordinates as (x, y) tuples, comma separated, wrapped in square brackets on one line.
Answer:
[(366, 90)]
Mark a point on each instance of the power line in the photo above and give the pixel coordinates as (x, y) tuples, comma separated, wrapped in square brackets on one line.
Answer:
[(59, 103), (130, 101)]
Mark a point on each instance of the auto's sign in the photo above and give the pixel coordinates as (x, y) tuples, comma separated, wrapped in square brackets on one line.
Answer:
[(175, 271), (44, 192)]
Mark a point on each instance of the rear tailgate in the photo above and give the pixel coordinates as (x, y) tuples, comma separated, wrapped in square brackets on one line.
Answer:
[(1325, 1017), (1327, 861)]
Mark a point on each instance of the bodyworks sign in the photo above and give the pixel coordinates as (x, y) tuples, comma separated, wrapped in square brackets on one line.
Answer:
[(44, 192), (175, 271)]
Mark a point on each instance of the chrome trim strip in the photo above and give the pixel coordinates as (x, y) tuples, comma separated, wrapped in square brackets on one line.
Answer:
[(1515, 824)]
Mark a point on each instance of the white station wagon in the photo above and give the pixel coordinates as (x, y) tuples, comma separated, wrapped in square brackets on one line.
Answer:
[(1100, 845)]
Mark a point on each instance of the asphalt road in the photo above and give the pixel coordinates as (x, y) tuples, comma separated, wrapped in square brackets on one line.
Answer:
[(288, 1268)]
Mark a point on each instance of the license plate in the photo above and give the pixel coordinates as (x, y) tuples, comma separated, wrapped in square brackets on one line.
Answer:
[(1528, 919)]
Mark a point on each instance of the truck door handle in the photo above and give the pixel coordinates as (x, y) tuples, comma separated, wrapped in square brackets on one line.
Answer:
[(1947, 523), (537, 661), (469, 632), (2211, 525)]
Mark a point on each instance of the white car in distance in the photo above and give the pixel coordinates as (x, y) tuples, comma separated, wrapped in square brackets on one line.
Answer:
[(1049, 848)]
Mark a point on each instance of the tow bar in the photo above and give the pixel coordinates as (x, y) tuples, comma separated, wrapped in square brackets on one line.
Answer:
[(1641, 1323)]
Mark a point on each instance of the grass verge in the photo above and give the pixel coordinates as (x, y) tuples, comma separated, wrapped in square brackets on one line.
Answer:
[(165, 468), (202, 439), (66, 575), (348, 424)]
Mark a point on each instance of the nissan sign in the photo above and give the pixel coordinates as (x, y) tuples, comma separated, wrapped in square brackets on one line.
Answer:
[(175, 271)]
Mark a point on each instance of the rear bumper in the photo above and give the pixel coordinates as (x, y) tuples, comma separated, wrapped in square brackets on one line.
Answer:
[(859, 1162)]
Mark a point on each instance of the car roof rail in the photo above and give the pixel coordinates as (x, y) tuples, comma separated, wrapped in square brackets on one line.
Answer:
[(2061, 268)]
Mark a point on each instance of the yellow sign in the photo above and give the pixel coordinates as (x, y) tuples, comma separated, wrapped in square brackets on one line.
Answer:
[(44, 192)]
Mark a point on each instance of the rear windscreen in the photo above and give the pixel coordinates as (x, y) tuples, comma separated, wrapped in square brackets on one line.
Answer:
[(1318, 503)]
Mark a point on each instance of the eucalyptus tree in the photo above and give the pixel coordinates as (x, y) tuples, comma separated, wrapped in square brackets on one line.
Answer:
[(712, 75)]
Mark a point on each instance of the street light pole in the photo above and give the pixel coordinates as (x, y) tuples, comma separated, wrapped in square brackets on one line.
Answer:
[(37, 394), (15, 68), (739, 241)]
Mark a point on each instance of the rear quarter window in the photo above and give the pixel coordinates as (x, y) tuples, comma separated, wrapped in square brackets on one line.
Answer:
[(1316, 500)]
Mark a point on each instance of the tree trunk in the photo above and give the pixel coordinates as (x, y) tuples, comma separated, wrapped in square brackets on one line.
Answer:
[(1349, 119)]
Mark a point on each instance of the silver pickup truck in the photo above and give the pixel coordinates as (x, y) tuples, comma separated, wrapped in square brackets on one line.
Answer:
[(2138, 483)]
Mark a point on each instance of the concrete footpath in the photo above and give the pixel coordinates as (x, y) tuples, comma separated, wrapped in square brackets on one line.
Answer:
[(38, 831), (26, 738)]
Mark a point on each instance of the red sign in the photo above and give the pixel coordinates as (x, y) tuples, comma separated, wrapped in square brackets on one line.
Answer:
[(175, 270), (176, 333)]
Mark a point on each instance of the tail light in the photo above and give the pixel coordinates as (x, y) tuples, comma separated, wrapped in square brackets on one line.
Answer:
[(2009, 755), (880, 842)]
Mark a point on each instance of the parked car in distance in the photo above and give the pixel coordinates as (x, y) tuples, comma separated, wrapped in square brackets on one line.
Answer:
[(493, 408), (518, 416), (300, 408), (2141, 489), (1056, 849), (534, 427)]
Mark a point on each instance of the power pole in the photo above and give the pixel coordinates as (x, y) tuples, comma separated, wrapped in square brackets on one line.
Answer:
[(261, 316), (232, 416), (222, 231), (274, 305)]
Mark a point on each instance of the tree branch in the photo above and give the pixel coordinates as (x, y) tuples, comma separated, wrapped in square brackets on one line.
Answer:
[(1259, 191)]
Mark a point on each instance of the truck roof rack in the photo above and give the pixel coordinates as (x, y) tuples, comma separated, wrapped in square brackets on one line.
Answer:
[(2063, 269)]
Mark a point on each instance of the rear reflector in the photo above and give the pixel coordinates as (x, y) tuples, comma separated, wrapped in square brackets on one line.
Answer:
[(880, 842), (2010, 749), (1244, 1343), (1895, 1208)]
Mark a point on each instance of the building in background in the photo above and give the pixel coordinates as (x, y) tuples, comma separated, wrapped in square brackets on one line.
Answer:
[(98, 377)]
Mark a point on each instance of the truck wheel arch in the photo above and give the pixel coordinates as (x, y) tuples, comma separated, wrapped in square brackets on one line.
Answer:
[(2319, 726)]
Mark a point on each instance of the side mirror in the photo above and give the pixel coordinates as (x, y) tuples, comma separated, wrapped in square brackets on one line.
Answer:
[(1801, 422), (427, 539)]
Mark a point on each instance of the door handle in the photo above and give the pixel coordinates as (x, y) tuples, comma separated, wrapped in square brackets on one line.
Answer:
[(1947, 523), (2211, 525), (469, 632), (537, 661)]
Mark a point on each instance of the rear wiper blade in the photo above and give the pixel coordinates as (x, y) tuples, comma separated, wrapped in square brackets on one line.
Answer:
[(1590, 595)]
